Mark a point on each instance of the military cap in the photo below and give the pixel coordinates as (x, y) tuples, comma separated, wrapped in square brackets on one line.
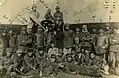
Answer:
[(66, 24), (57, 7), (19, 51), (53, 56), (9, 50)]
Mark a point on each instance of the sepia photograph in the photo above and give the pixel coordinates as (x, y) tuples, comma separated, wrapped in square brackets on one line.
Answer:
[(59, 39)]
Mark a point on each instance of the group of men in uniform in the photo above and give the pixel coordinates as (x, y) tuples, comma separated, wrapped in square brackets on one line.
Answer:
[(59, 48)]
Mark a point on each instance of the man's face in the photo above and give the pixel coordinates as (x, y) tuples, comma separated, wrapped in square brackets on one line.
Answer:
[(79, 55), (52, 60), (77, 29), (49, 10), (86, 51), (94, 30), (107, 27), (11, 32), (52, 45), (9, 54), (40, 31), (101, 31), (41, 52), (77, 40), (92, 55), (24, 32), (60, 51), (72, 51), (67, 27), (30, 53), (29, 30), (57, 9), (69, 59), (19, 54)]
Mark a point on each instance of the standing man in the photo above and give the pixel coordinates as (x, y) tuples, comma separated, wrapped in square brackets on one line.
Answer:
[(48, 15), (68, 38), (30, 36), (12, 40), (34, 11), (59, 38), (34, 16), (58, 17), (22, 37), (40, 38), (102, 44), (85, 39), (5, 41), (114, 49)]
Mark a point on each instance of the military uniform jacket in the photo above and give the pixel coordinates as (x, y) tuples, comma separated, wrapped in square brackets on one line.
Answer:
[(41, 60), (85, 39), (96, 62), (48, 16), (102, 41), (18, 63), (12, 41), (7, 61), (78, 47), (85, 58), (40, 40), (60, 58), (36, 14), (114, 41), (58, 15), (68, 38), (30, 62), (22, 40)]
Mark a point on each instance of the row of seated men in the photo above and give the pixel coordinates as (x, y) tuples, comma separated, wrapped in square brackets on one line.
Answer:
[(29, 63)]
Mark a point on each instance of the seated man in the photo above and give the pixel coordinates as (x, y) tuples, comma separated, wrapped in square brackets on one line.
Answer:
[(52, 50), (78, 58), (69, 65), (29, 62), (85, 58), (18, 66), (51, 69), (41, 59), (95, 65), (7, 61), (60, 56), (77, 44)]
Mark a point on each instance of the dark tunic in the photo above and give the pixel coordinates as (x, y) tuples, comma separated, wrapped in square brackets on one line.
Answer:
[(30, 64), (85, 40), (22, 40), (59, 39), (40, 40), (58, 18), (48, 16), (41, 60), (68, 38)]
